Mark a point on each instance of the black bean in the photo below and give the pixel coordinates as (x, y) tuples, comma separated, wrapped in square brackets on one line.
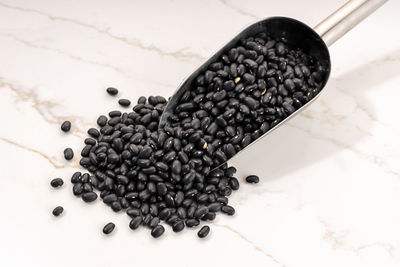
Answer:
[(157, 231), (249, 78), (234, 183), (179, 197), (209, 216), (214, 207), (108, 228), (246, 141), (154, 222), (176, 167), (200, 212), (135, 222), (68, 153), (280, 49), (124, 102), (178, 226), (250, 63), (102, 121), (56, 182), (228, 210), (110, 198), (94, 132), (204, 231), (114, 113), (87, 187), (251, 103), (229, 172), (89, 196), (147, 219), (142, 100), (233, 54), (114, 121), (132, 212), (75, 177), (229, 150), (170, 156), (90, 141), (112, 91), (169, 200), (161, 100), (77, 189), (288, 108), (136, 138), (252, 179), (192, 222), (164, 214), (57, 211), (66, 126), (189, 177), (218, 96)]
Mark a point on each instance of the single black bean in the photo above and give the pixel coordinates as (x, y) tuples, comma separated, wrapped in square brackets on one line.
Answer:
[(90, 141), (108, 228), (204, 231), (209, 216), (66, 126), (68, 153), (192, 222), (57, 211), (164, 214), (229, 150), (87, 187), (56, 182), (142, 100), (132, 212), (75, 177), (124, 102), (157, 231), (89, 196), (214, 207), (234, 183), (77, 189), (94, 132), (200, 212), (154, 222), (114, 113), (110, 198), (228, 210), (102, 121), (135, 222), (112, 91), (252, 179), (178, 226)]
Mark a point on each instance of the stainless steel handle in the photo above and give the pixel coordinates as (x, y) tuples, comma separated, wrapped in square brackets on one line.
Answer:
[(345, 18)]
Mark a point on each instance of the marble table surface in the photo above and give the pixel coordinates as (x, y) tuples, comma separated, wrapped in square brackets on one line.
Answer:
[(330, 178)]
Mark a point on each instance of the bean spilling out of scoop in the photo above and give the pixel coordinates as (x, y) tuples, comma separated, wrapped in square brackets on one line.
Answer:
[(168, 175)]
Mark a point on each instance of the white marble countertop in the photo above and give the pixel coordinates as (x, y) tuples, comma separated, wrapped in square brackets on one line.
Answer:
[(330, 179)]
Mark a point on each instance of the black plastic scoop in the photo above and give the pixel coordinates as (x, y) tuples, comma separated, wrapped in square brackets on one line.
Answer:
[(313, 42)]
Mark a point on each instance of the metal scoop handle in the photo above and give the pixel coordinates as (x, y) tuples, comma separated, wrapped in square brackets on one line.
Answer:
[(346, 18)]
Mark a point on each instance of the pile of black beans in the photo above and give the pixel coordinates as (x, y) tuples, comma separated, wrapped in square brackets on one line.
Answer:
[(170, 174)]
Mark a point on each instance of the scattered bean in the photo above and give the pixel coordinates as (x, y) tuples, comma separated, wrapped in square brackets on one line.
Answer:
[(66, 126), (56, 182), (57, 211), (204, 231), (108, 228)]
